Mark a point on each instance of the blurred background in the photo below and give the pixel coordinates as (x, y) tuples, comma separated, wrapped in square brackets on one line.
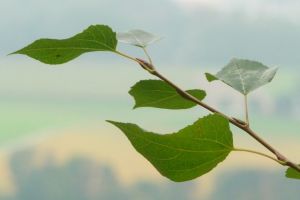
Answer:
[(54, 141)]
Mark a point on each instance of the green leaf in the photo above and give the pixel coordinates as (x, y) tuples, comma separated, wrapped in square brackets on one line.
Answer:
[(53, 51), (138, 38), (244, 75), (186, 154), (292, 173), (158, 94)]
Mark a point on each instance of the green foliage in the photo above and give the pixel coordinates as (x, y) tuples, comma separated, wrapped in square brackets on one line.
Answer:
[(158, 94), (53, 51), (194, 150), (138, 38), (244, 75), (292, 173), (186, 154)]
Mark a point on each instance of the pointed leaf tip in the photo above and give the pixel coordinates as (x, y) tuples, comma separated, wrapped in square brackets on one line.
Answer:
[(210, 77)]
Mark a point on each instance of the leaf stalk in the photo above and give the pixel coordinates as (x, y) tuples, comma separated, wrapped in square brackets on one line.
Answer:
[(259, 153), (246, 110)]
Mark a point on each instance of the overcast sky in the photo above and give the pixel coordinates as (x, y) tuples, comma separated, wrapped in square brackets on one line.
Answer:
[(197, 32), (288, 9)]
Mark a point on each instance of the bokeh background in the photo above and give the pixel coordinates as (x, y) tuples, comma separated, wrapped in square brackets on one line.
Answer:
[(54, 142)]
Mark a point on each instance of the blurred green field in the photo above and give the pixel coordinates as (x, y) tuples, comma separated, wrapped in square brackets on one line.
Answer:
[(20, 119)]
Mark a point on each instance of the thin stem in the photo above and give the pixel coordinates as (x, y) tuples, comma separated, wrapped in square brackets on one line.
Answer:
[(259, 153), (246, 110), (150, 68), (147, 54), (126, 56)]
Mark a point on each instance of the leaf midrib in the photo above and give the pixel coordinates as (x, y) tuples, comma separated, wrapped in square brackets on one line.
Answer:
[(241, 78), (186, 150), (160, 100), (72, 48)]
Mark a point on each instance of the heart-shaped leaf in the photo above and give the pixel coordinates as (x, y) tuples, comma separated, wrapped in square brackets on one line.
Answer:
[(292, 173), (158, 94), (244, 75), (186, 154), (53, 51), (138, 38)]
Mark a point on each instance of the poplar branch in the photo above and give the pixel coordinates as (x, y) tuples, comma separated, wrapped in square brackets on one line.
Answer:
[(242, 125)]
